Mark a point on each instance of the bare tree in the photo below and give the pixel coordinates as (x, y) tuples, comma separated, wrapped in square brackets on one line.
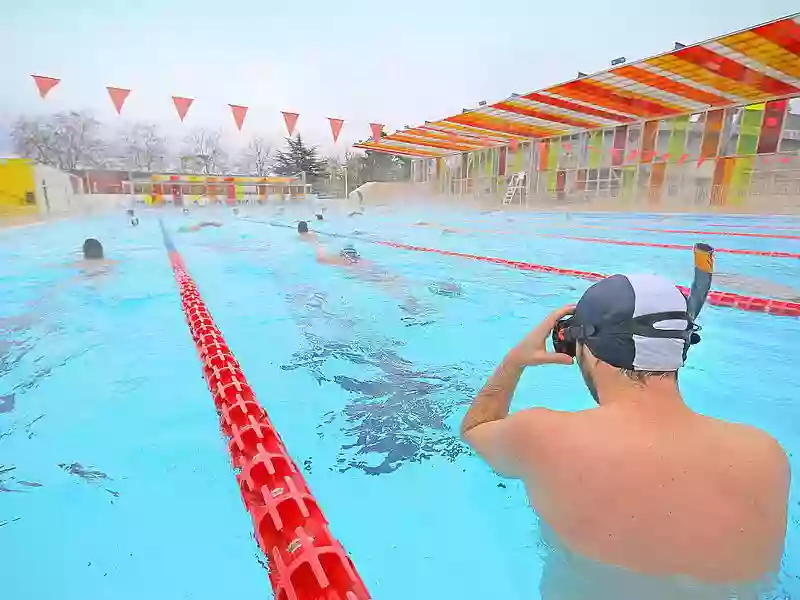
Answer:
[(203, 152), (255, 158), (143, 147), (67, 140)]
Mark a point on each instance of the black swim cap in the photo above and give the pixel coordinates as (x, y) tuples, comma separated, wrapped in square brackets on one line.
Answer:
[(302, 227), (92, 249)]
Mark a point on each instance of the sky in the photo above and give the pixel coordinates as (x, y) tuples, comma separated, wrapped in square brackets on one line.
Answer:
[(397, 63)]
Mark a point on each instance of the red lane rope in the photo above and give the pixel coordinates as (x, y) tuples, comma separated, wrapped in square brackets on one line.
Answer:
[(774, 236), (628, 243), (715, 298), (672, 246), (305, 561)]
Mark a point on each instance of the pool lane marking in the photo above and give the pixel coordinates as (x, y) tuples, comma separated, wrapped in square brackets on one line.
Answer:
[(594, 240), (715, 298)]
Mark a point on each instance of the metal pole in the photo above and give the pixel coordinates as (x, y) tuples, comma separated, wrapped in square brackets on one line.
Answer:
[(346, 195)]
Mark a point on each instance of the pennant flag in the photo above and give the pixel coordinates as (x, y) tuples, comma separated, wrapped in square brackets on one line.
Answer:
[(45, 84), (568, 147), (682, 159), (118, 97), (785, 160), (701, 160), (514, 144), (291, 120), (377, 131), (632, 155), (336, 128), (239, 113), (182, 105)]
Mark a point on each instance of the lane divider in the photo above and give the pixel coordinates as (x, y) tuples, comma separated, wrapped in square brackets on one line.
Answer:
[(305, 561), (774, 236), (725, 299), (614, 242), (716, 298)]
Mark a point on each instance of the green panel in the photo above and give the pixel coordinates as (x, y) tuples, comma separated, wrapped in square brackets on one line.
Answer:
[(595, 149), (677, 141), (552, 158), (749, 129), (740, 178)]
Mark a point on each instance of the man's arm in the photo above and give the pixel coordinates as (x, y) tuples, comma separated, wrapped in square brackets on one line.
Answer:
[(487, 426)]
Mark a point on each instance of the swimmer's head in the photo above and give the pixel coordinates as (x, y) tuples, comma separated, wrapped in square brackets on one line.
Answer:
[(186, 211), (319, 217), (350, 254), (302, 227), (92, 249)]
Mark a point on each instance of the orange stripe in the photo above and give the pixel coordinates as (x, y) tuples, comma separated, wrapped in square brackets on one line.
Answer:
[(764, 51), (669, 85), (400, 137), (479, 131), (545, 116), (408, 151), (497, 124), (595, 93), (699, 75), (451, 137), (579, 108)]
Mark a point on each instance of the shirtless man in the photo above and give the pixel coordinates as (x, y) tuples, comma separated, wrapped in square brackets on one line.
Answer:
[(647, 498)]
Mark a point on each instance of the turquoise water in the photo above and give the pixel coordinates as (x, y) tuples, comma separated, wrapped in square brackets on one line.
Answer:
[(115, 480)]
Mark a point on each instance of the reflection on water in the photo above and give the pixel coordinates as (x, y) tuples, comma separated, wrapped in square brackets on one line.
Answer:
[(89, 474), (397, 414)]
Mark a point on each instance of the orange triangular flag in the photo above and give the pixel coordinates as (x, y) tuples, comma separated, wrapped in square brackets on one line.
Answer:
[(336, 128), (45, 84), (182, 105), (291, 120), (377, 130), (118, 97), (239, 113)]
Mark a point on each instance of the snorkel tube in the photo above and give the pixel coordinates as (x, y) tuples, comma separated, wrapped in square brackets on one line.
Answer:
[(701, 284)]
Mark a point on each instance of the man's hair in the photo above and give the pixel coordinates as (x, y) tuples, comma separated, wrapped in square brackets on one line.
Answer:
[(643, 376)]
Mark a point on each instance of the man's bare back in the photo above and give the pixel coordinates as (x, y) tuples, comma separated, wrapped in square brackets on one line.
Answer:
[(712, 493), (643, 497)]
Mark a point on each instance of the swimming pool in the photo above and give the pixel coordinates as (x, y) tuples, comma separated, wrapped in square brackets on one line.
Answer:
[(115, 480)]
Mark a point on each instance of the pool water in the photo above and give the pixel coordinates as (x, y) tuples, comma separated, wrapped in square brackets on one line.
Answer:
[(114, 477)]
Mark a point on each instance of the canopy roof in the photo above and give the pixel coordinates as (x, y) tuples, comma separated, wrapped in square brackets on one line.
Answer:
[(746, 67)]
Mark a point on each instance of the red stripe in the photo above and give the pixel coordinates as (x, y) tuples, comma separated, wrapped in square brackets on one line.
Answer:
[(785, 33), (730, 69), (579, 108), (545, 116), (727, 299), (589, 92)]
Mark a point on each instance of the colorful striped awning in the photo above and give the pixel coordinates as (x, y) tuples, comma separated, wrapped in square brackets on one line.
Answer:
[(755, 65)]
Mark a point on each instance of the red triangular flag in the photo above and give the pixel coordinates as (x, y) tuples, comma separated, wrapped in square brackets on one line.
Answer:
[(683, 158), (182, 106), (45, 84), (336, 128), (291, 120), (631, 155), (118, 97), (701, 160), (239, 113), (377, 130)]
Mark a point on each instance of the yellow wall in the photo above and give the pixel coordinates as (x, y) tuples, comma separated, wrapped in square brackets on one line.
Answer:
[(16, 180)]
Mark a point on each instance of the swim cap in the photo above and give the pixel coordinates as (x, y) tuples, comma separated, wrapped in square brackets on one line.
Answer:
[(302, 227), (350, 253), (635, 322), (92, 249)]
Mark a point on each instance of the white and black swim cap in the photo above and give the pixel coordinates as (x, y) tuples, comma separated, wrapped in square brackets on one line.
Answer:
[(635, 322)]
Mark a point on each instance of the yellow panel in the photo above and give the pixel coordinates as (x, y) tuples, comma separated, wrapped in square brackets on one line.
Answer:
[(16, 182)]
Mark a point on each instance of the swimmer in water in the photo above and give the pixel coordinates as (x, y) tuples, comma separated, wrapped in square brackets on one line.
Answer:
[(94, 262), (320, 217), (305, 234), (199, 226)]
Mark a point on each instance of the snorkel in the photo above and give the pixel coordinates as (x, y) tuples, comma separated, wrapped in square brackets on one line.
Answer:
[(701, 284)]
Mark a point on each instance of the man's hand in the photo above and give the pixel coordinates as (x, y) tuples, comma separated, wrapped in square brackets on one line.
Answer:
[(532, 350)]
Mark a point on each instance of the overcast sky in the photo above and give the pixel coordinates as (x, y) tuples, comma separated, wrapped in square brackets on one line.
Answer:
[(396, 63)]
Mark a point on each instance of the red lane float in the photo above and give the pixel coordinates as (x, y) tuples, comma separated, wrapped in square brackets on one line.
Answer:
[(596, 240), (671, 246), (727, 299), (774, 236), (305, 561)]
